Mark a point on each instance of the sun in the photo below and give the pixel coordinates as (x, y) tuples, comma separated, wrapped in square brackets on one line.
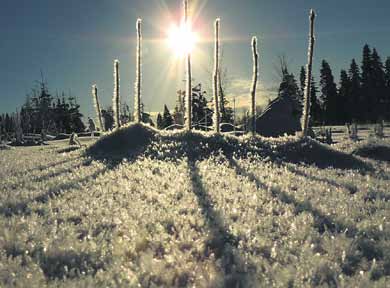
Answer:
[(181, 39)]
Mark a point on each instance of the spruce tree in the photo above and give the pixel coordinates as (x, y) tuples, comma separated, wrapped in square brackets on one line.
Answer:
[(159, 122), (354, 98), (379, 87), (1, 128), (202, 115), (387, 89), (329, 95), (302, 85), (288, 86), (302, 80), (367, 97), (387, 72), (315, 107), (108, 116), (344, 95), (167, 119)]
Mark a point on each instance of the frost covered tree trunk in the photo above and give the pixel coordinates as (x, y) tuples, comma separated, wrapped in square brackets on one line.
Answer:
[(216, 78), (116, 96), (188, 124), (309, 67), (254, 84), (97, 107), (138, 80)]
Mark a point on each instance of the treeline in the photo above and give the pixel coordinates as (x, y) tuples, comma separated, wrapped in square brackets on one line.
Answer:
[(362, 94), (202, 110), (43, 113), (125, 116)]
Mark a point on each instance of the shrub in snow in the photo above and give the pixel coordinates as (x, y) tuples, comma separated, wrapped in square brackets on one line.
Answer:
[(18, 128), (328, 136), (352, 131), (378, 130), (137, 100), (74, 139), (306, 104), (254, 84), (216, 78), (97, 107), (116, 96)]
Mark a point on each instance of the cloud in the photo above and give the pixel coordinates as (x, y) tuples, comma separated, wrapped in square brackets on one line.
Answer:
[(240, 90)]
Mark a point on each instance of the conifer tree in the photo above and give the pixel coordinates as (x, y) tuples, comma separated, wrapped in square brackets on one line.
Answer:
[(302, 80), (160, 122), (379, 87), (289, 88), (108, 119), (329, 94), (387, 72), (387, 89), (344, 95), (367, 98), (2, 132), (201, 114), (315, 107), (354, 101), (167, 119)]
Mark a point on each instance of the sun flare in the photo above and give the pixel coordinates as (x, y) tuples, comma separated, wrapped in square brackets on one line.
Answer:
[(181, 39)]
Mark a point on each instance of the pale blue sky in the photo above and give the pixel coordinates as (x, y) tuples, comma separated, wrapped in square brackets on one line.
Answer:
[(75, 42)]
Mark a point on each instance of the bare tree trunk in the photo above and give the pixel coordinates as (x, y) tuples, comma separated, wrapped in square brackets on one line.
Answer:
[(116, 96), (216, 78), (97, 107), (306, 108), (188, 77), (254, 84), (137, 100)]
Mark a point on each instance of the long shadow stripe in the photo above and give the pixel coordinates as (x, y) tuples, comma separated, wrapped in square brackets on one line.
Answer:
[(222, 243)]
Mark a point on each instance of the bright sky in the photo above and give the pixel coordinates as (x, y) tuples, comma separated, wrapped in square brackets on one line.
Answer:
[(75, 43)]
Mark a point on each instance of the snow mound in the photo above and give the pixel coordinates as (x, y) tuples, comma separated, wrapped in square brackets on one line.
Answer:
[(312, 152), (139, 140), (126, 142), (374, 150), (5, 147)]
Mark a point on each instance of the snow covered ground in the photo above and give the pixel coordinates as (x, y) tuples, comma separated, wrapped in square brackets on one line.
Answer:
[(194, 210)]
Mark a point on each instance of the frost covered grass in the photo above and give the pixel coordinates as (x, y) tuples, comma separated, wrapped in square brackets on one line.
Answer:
[(193, 209)]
